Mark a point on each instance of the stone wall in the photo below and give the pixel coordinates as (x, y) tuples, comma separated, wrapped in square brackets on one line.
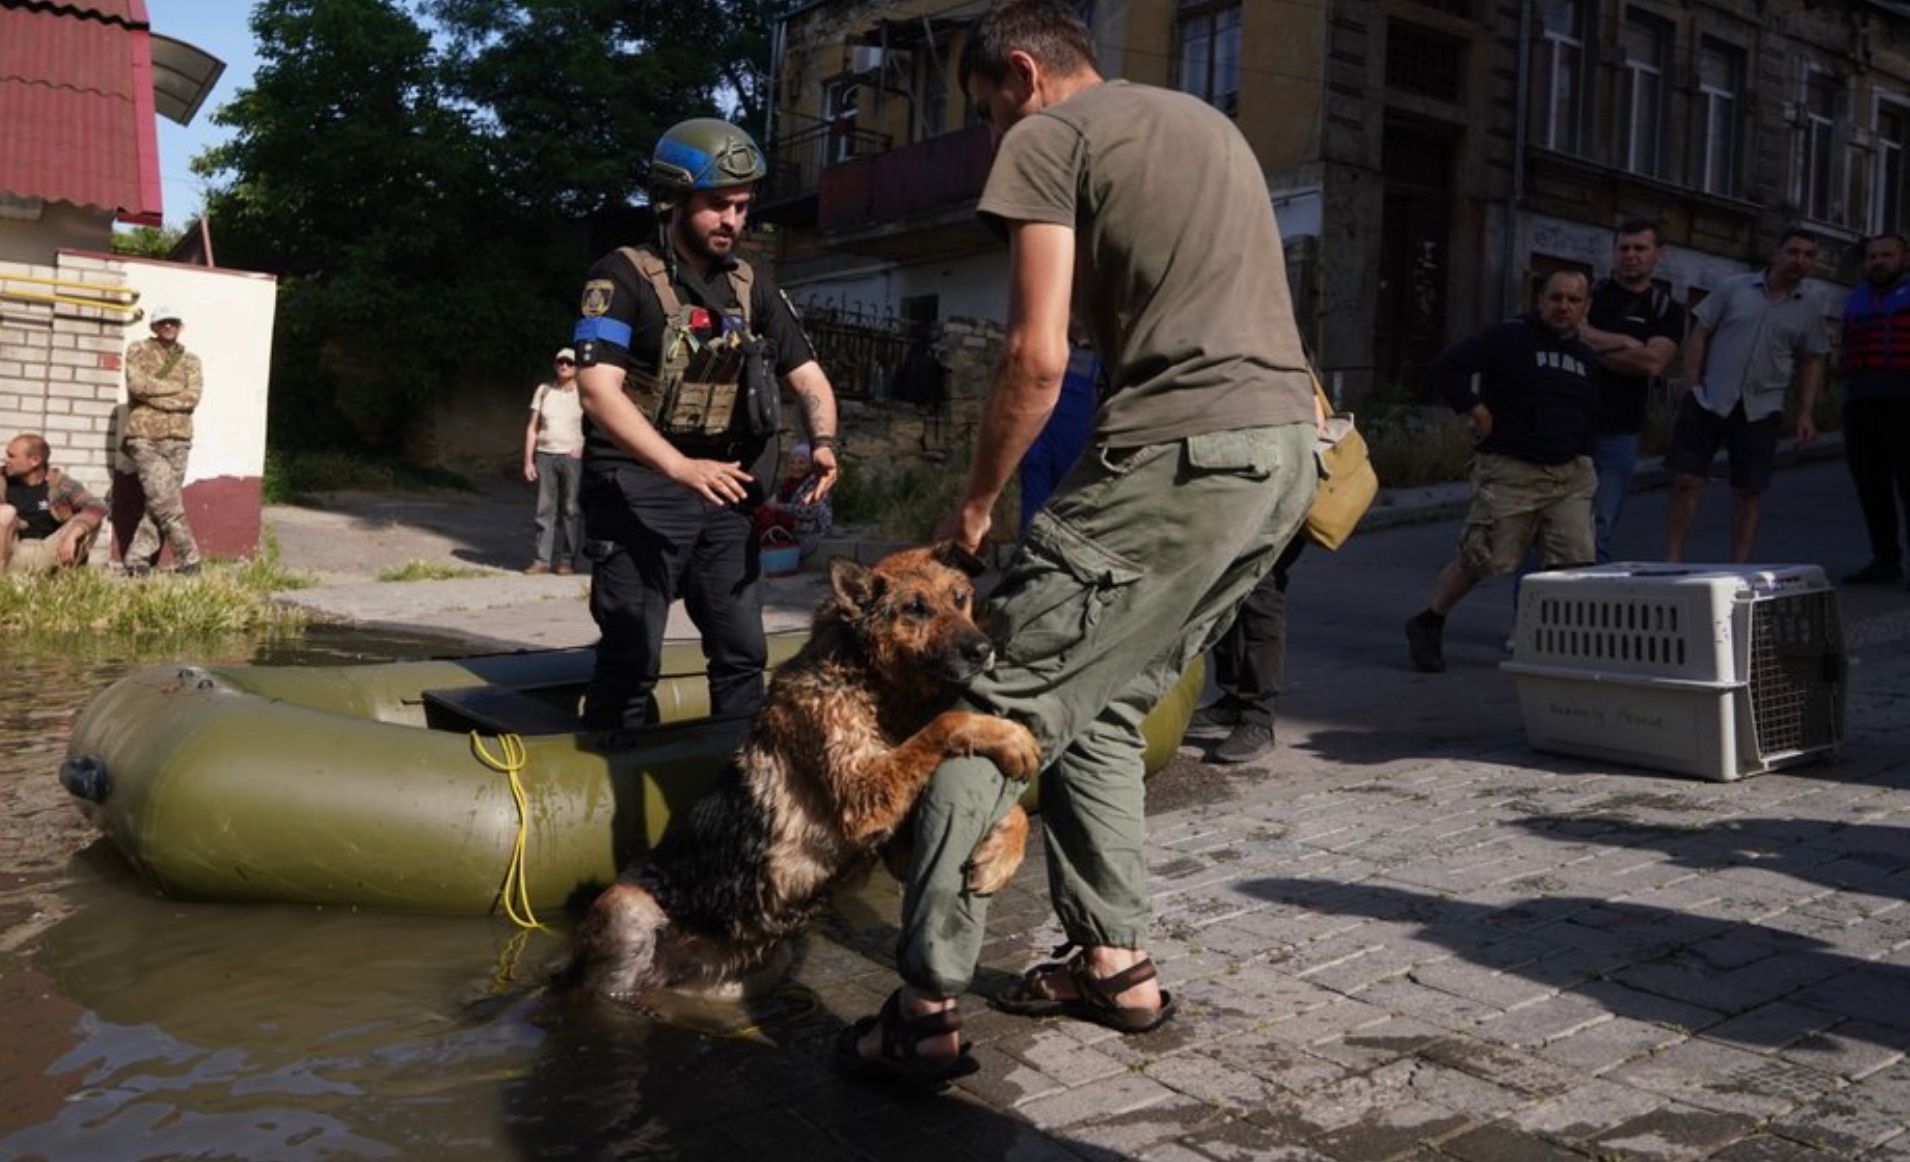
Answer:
[(888, 436)]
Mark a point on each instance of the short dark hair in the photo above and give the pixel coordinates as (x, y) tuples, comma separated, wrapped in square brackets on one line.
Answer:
[(1805, 233), (36, 446), (1892, 235), (1545, 284), (1048, 30), (1642, 226)]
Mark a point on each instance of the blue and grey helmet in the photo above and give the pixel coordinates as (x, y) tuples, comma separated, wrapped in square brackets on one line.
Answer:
[(703, 153)]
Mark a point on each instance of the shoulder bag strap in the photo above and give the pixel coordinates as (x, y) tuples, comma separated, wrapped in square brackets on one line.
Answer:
[(646, 263), (742, 279)]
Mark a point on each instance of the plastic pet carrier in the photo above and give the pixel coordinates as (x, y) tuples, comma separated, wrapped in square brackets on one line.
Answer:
[(1719, 671)]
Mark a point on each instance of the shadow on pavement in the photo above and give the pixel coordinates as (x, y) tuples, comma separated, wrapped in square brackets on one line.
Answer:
[(1649, 964), (1859, 857)]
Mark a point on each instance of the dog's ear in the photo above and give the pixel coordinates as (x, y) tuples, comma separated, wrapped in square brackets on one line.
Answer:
[(855, 586), (955, 557)]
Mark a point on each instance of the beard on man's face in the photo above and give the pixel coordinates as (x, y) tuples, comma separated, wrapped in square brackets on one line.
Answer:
[(717, 242)]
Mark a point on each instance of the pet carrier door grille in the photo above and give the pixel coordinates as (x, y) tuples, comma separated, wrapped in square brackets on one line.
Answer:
[(1796, 697)]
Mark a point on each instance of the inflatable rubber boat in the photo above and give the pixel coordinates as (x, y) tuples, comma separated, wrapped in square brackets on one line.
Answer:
[(460, 785)]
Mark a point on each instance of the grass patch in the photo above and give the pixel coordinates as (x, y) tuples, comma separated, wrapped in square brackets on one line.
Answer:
[(291, 476), (221, 600), (265, 573), (416, 570)]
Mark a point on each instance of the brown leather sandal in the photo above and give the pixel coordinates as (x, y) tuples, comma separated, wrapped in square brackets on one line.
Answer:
[(900, 1062), (1034, 995)]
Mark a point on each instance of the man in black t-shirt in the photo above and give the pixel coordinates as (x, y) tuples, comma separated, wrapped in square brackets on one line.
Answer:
[(47, 519), (679, 350), (1534, 416), (1636, 329)]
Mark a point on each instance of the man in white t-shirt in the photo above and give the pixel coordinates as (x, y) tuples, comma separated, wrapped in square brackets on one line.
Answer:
[(553, 460)]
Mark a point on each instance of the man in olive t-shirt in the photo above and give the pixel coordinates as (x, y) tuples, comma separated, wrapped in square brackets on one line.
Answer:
[(1145, 213)]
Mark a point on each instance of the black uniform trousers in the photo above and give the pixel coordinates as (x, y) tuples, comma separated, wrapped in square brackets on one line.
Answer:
[(1877, 445), (1250, 659), (654, 541)]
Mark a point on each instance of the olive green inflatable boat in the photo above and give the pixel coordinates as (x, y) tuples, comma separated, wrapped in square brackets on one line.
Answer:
[(386, 785)]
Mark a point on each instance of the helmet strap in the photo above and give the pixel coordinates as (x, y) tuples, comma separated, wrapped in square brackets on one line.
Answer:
[(666, 239)]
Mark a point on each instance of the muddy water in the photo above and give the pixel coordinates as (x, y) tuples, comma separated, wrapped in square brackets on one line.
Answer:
[(136, 1027)]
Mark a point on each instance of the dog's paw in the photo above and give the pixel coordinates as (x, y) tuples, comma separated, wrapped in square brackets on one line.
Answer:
[(1007, 744), (996, 859)]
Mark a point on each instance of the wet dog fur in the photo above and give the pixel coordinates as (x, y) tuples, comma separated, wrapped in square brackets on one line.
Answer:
[(852, 728)]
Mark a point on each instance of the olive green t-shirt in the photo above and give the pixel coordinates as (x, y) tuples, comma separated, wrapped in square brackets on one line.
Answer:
[(1178, 276)]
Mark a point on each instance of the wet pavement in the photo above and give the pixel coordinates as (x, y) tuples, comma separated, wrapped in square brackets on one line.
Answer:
[(1404, 935)]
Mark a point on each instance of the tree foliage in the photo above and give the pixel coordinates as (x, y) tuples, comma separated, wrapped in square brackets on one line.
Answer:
[(146, 241), (429, 204)]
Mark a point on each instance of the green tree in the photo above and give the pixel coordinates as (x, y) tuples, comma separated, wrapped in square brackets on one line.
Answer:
[(430, 212), (576, 91), (146, 241), (354, 177)]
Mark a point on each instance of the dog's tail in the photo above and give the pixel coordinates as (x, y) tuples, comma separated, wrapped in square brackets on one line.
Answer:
[(614, 951)]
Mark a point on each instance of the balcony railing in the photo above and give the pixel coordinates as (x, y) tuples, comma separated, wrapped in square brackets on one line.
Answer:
[(796, 160), (892, 186)]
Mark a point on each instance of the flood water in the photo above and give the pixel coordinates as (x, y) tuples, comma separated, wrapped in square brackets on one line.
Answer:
[(137, 1027)]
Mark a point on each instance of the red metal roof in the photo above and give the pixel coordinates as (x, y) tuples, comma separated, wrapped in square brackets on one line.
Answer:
[(76, 106)]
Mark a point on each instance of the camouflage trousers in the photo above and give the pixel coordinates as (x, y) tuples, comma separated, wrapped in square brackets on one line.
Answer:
[(161, 465)]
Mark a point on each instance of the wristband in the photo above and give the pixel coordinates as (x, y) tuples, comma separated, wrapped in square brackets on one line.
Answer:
[(825, 442)]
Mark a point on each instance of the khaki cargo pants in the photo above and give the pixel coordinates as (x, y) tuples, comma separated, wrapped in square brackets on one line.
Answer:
[(1134, 567), (161, 465), (1516, 503)]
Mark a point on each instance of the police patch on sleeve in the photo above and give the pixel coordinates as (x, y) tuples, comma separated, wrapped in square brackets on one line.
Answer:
[(597, 294)]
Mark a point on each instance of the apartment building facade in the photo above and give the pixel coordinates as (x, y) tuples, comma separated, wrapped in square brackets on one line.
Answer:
[(1427, 159)]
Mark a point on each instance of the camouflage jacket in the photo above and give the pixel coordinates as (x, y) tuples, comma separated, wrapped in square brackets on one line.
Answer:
[(164, 385)]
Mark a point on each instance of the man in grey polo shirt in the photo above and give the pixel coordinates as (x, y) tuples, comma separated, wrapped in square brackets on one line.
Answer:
[(1750, 340)]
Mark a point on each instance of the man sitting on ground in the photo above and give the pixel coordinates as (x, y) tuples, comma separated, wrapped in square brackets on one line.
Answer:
[(48, 521)]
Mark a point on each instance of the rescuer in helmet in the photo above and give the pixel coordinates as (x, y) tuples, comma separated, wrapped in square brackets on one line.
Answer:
[(682, 349)]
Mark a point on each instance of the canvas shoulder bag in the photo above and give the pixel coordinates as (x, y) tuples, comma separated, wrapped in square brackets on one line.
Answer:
[(1348, 483)]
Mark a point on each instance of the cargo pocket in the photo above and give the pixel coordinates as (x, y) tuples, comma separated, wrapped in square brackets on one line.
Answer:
[(1055, 593), (1249, 453)]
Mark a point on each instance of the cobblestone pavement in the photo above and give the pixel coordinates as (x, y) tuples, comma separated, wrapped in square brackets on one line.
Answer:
[(1403, 936), (1484, 956)]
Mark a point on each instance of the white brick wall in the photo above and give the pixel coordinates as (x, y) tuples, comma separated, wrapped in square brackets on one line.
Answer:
[(51, 378)]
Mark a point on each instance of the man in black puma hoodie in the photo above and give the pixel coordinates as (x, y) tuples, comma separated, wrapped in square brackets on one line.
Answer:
[(1529, 388)]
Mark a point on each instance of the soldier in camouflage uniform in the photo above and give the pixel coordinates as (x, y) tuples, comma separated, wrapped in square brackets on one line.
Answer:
[(163, 381)]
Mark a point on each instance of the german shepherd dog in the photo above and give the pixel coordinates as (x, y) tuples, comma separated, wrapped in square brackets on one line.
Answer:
[(852, 728)]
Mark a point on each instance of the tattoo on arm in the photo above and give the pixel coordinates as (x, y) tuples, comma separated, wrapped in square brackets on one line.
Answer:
[(812, 413)]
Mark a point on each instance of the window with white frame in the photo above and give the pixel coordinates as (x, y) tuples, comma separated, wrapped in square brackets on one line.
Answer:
[(1646, 41), (1818, 169), (1561, 75), (1717, 113), (1210, 51), (841, 103), (1887, 175)]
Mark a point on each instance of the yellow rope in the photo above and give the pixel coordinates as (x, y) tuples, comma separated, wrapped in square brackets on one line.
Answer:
[(517, 892), (504, 972), (517, 887)]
